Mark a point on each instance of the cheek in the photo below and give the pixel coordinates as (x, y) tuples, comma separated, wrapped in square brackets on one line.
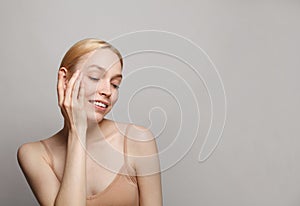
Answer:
[(88, 87), (115, 97)]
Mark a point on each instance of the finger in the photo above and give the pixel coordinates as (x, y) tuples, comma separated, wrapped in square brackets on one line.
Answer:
[(68, 96), (60, 88), (81, 93), (76, 89)]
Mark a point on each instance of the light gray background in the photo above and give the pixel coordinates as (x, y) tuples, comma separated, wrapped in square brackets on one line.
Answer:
[(254, 45)]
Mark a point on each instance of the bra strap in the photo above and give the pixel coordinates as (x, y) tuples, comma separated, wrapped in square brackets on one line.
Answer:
[(130, 171), (50, 157), (49, 160), (125, 145)]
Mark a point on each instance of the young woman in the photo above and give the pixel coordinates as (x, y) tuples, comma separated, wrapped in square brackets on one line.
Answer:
[(92, 160)]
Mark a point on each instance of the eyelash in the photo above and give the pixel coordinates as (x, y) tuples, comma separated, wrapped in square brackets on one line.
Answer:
[(96, 79), (116, 86)]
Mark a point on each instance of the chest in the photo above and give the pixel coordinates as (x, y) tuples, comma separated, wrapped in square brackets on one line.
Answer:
[(103, 168)]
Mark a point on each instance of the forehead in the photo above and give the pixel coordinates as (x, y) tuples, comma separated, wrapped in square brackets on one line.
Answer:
[(103, 58)]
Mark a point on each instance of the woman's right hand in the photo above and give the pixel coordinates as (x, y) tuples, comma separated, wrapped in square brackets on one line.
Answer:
[(71, 102)]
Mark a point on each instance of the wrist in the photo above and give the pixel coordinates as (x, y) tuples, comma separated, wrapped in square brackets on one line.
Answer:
[(79, 136)]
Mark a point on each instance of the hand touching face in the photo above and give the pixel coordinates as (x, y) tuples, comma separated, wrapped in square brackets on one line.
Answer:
[(102, 76)]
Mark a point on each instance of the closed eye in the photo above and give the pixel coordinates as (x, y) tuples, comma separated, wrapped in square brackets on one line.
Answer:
[(116, 86), (93, 79), (97, 79)]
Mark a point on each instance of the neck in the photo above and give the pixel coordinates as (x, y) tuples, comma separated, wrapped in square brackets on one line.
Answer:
[(95, 130)]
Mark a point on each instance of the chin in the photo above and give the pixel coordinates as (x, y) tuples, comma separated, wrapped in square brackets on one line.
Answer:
[(95, 117)]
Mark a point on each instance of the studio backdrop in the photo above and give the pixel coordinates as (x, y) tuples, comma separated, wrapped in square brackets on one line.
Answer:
[(215, 81)]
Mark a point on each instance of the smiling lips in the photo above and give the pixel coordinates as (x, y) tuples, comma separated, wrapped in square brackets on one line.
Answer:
[(99, 104)]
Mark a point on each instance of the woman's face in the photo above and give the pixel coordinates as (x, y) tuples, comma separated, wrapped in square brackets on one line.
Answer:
[(102, 75)]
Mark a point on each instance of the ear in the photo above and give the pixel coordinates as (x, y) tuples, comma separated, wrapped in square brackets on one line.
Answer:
[(64, 71)]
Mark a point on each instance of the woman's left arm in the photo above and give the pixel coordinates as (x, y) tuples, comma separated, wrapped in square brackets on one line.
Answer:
[(150, 191), (147, 166)]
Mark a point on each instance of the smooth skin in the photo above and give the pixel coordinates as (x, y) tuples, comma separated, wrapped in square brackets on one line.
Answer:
[(78, 136)]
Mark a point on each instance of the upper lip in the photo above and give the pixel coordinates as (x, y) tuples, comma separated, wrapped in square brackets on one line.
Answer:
[(97, 100)]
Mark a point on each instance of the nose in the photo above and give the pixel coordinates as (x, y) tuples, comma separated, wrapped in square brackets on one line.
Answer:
[(104, 88)]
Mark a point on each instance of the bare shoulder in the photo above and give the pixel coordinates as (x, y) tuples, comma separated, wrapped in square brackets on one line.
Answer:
[(28, 150), (142, 150), (141, 140), (139, 133), (29, 156), (32, 159), (32, 151)]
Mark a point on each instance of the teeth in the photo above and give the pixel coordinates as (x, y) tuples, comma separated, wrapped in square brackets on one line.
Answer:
[(100, 104)]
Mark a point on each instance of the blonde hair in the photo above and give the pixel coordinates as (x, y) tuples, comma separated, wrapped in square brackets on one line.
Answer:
[(72, 57)]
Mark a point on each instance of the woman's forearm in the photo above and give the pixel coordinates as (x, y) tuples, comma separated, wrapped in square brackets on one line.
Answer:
[(73, 186)]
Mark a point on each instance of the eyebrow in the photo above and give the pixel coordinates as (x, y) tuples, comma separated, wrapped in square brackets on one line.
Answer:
[(98, 67), (102, 69)]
